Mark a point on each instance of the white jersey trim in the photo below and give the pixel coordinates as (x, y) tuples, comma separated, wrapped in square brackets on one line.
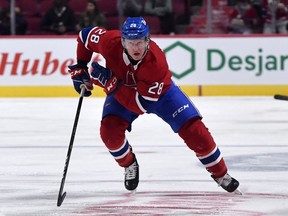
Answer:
[(139, 104), (150, 98), (86, 42)]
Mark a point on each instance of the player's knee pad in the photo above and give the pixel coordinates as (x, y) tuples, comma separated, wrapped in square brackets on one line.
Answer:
[(197, 137), (112, 131)]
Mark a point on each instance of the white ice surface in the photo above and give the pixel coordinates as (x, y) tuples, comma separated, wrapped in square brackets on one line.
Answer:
[(252, 133)]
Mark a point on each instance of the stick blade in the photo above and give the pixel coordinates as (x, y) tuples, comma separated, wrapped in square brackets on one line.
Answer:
[(280, 97), (61, 199)]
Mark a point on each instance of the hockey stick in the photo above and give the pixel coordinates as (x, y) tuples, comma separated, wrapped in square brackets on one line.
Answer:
[(61, 195), (281, 97)]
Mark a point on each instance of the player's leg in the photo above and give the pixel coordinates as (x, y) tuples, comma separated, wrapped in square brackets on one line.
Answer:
[(183, 117), (115, 121), (198, 138), (112, 131)]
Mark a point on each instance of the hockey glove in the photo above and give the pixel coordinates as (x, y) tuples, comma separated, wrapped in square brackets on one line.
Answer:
[(104, 78), (80, 76)]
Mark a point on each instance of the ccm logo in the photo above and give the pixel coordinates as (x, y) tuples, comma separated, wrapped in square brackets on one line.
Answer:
[(179, 110)]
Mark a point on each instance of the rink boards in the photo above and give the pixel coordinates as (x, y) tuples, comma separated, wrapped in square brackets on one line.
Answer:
[(36, 66), (206, 90)]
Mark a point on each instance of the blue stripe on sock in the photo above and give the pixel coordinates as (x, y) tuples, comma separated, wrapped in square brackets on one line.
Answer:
[(211, 158), (120, 151)]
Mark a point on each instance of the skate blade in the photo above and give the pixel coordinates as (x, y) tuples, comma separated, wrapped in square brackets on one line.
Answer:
[(237, 192), (132, 192)]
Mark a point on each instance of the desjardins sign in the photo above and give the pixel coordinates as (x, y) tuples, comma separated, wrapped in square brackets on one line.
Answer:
[(219, 60)]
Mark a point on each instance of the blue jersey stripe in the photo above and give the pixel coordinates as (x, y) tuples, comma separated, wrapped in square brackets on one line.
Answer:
[(85, 33)]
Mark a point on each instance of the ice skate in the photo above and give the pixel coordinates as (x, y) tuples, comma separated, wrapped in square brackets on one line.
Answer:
[(228, 183), (132, 175)]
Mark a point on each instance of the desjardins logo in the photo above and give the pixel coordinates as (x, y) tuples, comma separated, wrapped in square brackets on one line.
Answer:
[(187, 60), (182, 61), (256, 63)]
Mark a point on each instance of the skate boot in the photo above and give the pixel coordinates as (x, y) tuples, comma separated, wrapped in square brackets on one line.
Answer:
[(132, 175), (228, 183)]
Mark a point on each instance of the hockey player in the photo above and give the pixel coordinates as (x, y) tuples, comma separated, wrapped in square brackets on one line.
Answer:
[(137, 80)]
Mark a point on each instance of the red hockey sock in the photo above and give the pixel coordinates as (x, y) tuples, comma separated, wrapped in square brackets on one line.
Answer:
[(112, 132), (198, 138)]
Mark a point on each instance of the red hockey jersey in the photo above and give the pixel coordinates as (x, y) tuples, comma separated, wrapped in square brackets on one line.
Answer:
[(149, 78)]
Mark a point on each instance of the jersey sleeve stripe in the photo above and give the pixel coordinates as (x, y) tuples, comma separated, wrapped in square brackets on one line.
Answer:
[(139, 103), (150, 98), (85, 34)]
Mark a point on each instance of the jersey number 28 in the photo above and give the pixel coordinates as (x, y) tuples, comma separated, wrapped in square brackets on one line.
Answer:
[(156, 88), (96, 37)]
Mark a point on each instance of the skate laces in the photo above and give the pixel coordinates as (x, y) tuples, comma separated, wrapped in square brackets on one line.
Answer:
[(225, 180), (131, 171)]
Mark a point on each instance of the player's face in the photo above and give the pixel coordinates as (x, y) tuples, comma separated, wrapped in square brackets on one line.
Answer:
[(136, 48)]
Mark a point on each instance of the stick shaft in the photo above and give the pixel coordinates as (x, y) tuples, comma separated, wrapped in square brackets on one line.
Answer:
[(61, 195), (281, 97)]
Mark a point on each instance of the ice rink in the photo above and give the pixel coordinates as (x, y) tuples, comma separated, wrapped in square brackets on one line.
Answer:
[(252, 133)]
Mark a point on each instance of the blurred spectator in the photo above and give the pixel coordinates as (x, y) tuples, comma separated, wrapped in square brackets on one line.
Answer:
[(59, 19), (131, 8), (91, 16), (194, 6), (281, 18), (164, 11), (245, 18), (5, 22)]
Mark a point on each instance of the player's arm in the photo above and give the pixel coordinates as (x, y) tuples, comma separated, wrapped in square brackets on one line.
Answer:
[(152, 81), (104, 78), (143, 98), (88, 42), (139, 99)]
